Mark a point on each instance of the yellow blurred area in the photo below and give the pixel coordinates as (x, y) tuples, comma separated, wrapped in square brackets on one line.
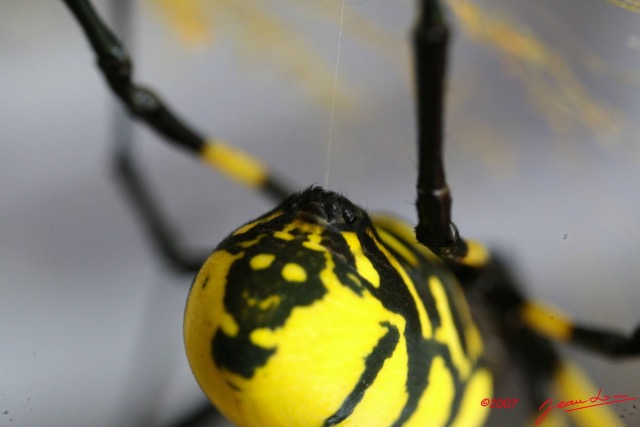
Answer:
[(271, 33), (262, 33), (633, 5)]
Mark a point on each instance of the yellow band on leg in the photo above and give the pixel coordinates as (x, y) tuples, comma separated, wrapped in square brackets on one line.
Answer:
[(546, 322), (477, 255), (234, 163), (573, 384)]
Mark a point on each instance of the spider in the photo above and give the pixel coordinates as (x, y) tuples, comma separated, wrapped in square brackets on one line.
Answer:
[(188, 265)]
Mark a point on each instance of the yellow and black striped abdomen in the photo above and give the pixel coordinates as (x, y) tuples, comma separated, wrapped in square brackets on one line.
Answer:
[(312, 315)]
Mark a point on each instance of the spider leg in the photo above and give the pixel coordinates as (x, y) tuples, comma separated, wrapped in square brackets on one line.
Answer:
[(143, 104), (501, 289), (529, 329), (435, 229), (535, 355), (159, 230), (555, 325)]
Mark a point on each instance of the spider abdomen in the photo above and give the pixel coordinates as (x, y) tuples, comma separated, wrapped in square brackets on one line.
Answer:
[(315, 315)]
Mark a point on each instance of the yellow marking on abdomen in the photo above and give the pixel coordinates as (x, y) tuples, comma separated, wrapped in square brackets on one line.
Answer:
[(204, 313), (252, 224), (229, 325), (300, 227), (435, 403), (304, 387), (471, 413), (261, 261), (363, 264), (282, 235), (447, 332), (314, 243), (401, 230), (293, 272), (269, 302), (234, 163), (427, 327), (397, 246)]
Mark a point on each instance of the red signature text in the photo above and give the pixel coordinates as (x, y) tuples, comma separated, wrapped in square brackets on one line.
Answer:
[(576, 405)]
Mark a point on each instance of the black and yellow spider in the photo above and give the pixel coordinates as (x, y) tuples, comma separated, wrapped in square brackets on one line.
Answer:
[(319, 314)]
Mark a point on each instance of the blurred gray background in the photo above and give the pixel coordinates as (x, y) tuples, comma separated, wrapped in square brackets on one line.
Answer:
[(543, 158)]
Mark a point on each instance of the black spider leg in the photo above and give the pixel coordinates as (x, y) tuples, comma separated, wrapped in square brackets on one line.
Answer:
[(435, 229), (145, 105), (606, 342), (535, 355), (142, 413), (527, 343)]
